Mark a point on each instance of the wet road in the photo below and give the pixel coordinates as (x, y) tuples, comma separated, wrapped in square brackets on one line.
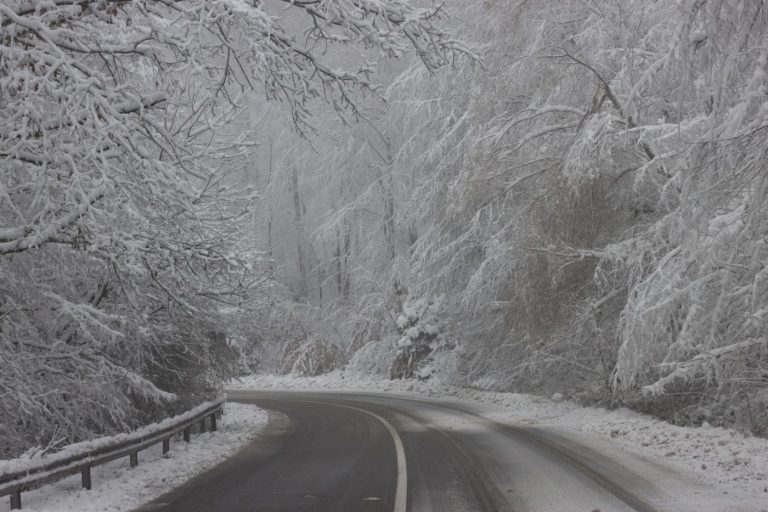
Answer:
[(349, 452)]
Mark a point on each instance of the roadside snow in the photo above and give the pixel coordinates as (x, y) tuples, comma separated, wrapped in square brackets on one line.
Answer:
[(25, 463), (731, 463), (117, 487)]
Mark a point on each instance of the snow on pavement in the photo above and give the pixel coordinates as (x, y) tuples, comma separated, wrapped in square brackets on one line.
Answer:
[(732, 464), (117, 487)]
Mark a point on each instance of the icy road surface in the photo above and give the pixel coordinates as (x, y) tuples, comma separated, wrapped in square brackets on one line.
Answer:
[(348, 452)]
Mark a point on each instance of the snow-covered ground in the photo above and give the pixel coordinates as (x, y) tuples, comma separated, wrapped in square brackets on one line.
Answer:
[(724, 460), (117, 487)]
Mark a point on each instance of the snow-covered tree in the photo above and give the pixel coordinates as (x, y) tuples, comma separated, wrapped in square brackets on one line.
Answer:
[(590, 203), (124, 246)]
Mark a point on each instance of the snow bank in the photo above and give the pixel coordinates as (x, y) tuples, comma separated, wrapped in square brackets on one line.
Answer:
[(117, 487), (31, 460), (732, 463)]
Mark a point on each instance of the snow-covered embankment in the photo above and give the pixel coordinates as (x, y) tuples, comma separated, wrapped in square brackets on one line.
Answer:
[(117, 487)]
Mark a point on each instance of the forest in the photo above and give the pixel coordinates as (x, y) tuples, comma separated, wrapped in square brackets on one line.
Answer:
[(551, 197)]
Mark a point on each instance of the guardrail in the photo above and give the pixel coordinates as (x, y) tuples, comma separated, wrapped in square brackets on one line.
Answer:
[(83, 456)]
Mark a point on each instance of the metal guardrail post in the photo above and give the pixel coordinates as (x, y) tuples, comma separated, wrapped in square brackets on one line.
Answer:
[(202, 425), (213, 422), (16, 500), (186, 434), (166, 446), (134, 459), (85, 477)]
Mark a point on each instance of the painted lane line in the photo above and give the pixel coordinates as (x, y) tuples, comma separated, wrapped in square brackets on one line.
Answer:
[(401, 488)]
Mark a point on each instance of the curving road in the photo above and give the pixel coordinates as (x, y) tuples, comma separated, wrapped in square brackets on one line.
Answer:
[(350, 452)]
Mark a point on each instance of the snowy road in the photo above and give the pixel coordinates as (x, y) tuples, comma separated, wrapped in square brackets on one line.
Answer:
[(343, 452)]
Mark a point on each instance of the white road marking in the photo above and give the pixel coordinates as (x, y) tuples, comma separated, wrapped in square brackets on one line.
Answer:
[(401, 488)]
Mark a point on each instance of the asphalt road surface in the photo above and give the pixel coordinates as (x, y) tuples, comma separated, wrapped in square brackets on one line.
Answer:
[(350, 452)]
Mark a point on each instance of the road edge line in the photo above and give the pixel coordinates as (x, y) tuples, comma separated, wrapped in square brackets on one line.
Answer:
[(401, 488)]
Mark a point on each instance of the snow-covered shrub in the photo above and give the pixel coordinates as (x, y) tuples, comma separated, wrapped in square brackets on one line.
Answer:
[(373, 359), (419, 328), (316, 356)]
